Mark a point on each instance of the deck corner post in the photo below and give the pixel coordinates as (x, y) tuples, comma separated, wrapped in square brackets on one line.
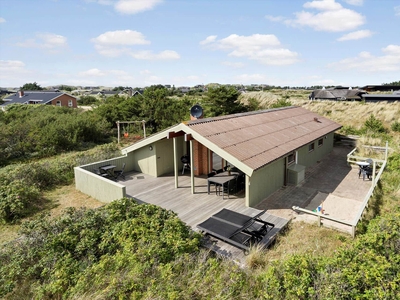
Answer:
[(192, 166), (175, 163)]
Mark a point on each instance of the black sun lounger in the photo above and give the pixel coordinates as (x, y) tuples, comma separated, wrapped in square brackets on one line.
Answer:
[(235, 228)]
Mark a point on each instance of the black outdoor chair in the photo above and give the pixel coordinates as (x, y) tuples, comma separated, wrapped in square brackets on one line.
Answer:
[(230, 188), (120, 173), (366, 172), (213, 173)]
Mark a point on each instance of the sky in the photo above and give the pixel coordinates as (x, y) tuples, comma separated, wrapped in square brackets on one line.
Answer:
[(138, 43)]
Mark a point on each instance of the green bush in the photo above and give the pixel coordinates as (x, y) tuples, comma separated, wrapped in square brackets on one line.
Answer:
[(349, 130), (281, 103), (396, 126), (21, 184), (64, 256), (41, 131), (374, 125), (16, 199)]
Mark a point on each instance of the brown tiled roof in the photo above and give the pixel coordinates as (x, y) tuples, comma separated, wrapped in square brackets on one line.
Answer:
[(258, 138)]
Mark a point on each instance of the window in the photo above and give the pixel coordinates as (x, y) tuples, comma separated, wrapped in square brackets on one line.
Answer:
[(320, 142), (70, 103), (291, 158), (58, 103), (311, 147)]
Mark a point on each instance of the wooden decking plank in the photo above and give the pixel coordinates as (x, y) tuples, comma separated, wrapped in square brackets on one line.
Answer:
[(193, 208)]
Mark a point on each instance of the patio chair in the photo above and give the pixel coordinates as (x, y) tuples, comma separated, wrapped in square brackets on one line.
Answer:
[(213, 173), (366, 172), (229, 189), (120, 173)]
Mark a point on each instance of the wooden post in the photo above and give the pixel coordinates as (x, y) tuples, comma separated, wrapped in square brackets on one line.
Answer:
[(192, 166), (176, 171), (144, 128), (118, 130)]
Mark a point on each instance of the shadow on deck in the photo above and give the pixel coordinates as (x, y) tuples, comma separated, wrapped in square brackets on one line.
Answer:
[(196, 208)]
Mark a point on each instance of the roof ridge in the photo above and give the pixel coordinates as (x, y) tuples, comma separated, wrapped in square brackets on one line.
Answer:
[(237, 115)]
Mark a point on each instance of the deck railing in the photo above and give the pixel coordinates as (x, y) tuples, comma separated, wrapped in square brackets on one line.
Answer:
[(375, 178)]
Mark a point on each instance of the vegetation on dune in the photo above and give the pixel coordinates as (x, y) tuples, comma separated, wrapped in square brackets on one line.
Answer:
[(129, 251), (21, 185)]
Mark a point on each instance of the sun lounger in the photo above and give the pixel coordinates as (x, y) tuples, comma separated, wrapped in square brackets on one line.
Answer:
[(235, 228)]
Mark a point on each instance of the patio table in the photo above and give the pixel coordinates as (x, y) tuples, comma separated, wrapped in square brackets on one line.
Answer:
[(222, 179), (109, 170)]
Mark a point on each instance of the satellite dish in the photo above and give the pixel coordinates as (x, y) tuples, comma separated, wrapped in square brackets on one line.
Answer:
[(196, 111)]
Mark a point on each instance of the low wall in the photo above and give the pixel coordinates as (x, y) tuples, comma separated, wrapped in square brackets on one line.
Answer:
[(96, 186)]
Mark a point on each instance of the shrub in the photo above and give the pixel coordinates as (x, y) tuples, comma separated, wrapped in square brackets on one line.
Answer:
[(67, 255), (16, 199), (374, 125), (281, 103), (396, 126)]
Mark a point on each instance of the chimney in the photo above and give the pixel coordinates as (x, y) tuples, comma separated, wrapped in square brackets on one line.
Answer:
[(21, 93)]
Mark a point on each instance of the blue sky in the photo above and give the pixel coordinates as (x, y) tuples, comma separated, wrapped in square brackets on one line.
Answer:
[(138, 43)]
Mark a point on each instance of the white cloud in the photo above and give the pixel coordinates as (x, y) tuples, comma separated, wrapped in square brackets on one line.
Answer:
[(49, 41), (135, 6), (145, 72), (356, 35), (366, 62), (235, 65), (102, 2), (121, 37), (274, 19), (120, 42), (210, 39), (92, 73), (331, 17), (11, 66), (2, 20), (13, 71), (149, 55), (397, 11), (265, 49), (355, 2), (246, 78), (323, 5)]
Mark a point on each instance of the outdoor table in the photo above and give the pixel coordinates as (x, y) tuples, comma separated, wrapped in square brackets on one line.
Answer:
[(109, 169), (221, 179)]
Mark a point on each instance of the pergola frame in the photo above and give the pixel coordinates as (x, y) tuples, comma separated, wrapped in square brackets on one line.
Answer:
[(130, 122)]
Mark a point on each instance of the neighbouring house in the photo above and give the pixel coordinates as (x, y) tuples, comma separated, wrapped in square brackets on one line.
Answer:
[(271, 148), (381, 88), (381, 97), (103, 93), (338, 93), (41, 97)]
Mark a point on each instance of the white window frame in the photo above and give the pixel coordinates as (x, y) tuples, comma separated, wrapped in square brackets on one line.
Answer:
[(70, 103), (293, 154), (320, 142)]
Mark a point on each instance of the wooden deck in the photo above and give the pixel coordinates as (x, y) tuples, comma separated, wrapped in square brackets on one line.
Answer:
[(195, 208)]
